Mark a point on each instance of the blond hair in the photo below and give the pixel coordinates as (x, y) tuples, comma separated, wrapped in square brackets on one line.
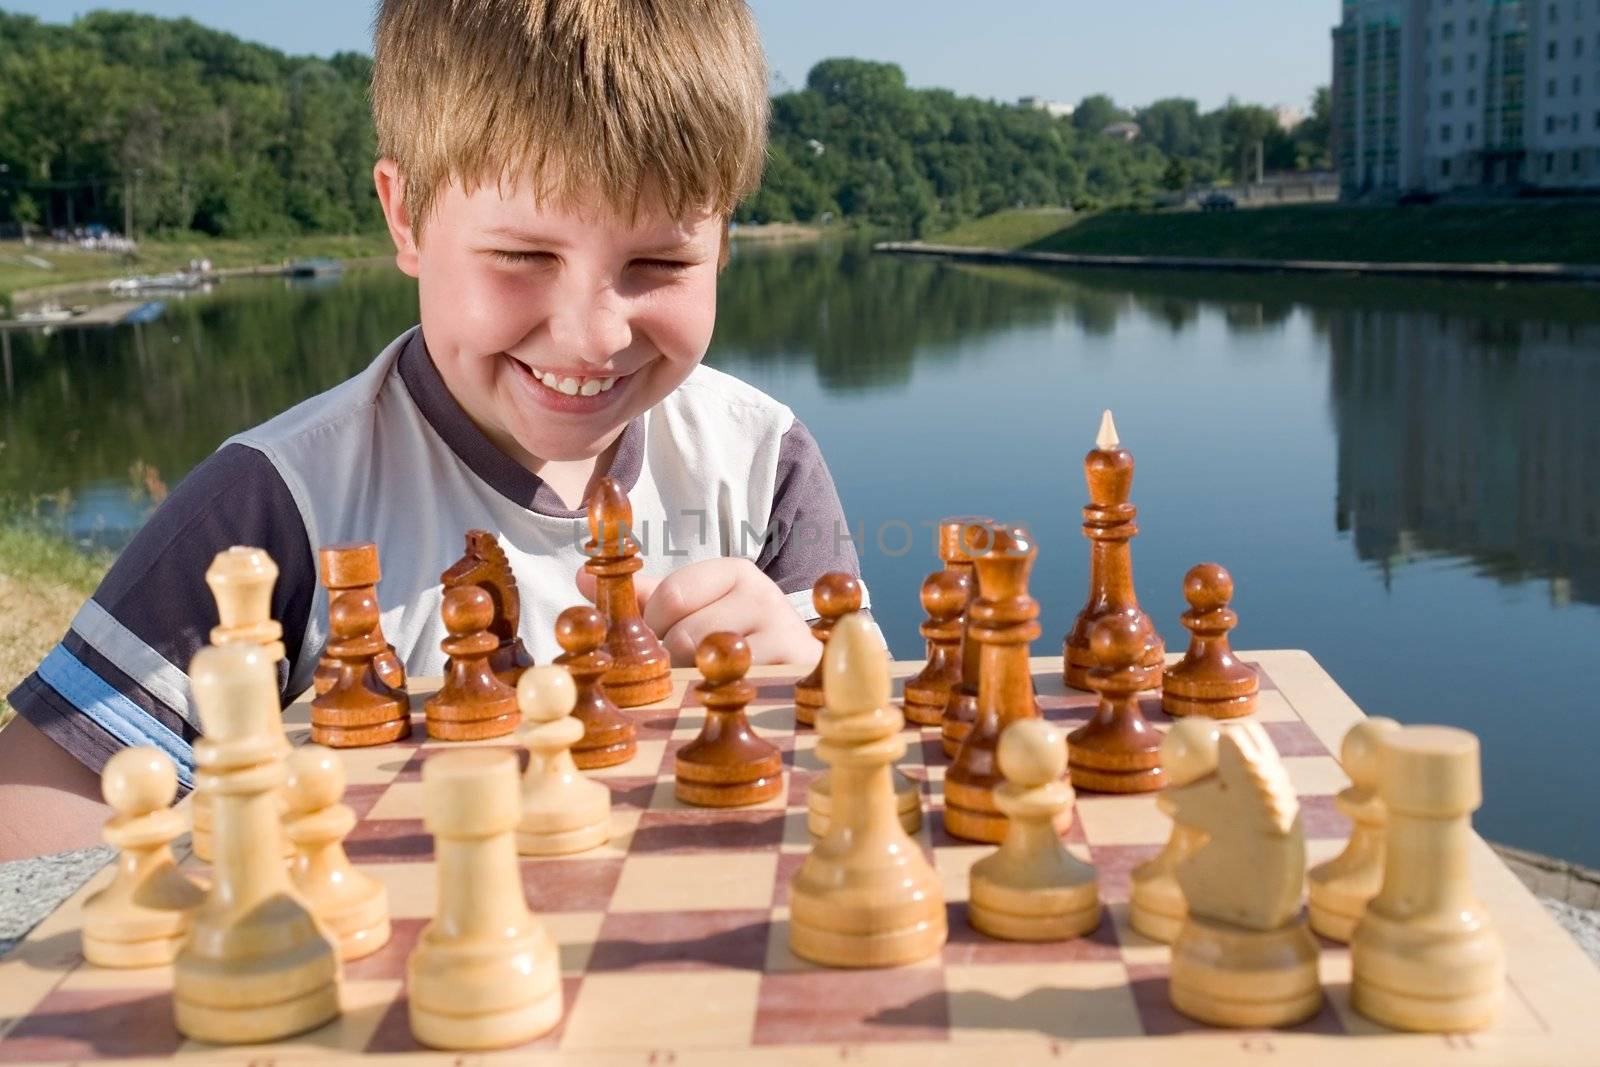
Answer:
[(617, 98)]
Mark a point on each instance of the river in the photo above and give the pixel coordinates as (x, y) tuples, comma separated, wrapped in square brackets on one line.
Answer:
[(1403, 477)]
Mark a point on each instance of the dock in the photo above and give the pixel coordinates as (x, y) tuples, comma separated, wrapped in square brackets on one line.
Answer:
[(113, 314)]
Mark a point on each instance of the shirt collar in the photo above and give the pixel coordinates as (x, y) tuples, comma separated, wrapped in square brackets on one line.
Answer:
[(502, 473)]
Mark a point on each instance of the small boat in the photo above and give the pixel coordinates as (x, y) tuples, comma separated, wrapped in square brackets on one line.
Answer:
[(49, 313), (148, 311), (174, 281), (314, 267)]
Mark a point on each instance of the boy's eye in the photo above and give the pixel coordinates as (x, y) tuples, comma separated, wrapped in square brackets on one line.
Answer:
[(664, 266), (506, 255)]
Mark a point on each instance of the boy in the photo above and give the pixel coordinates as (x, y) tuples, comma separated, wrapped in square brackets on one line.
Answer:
[(558, 176)]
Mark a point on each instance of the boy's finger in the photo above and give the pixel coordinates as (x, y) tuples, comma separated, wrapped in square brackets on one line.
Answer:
[(643, 586), (684, 638), (685, 591)]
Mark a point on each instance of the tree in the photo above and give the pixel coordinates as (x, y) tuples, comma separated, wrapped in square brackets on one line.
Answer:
[(1177, 176), (25, 209), (1095, 113), (1245, 128)]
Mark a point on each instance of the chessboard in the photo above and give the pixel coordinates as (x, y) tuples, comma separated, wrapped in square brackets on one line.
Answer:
[(674, 936)]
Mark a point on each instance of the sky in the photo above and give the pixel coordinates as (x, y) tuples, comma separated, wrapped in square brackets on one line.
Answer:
[(1262, 51)]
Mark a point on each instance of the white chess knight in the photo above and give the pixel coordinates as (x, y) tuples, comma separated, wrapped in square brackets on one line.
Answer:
[(1244, 955), (1156, 907), (562, 810)]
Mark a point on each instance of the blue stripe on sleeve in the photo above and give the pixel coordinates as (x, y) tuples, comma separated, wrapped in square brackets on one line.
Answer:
[(115, 713)]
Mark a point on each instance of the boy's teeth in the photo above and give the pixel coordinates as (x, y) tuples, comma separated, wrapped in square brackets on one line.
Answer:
[(572, 386)]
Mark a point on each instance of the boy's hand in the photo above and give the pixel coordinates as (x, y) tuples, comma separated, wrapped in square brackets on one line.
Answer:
[(721, 594)]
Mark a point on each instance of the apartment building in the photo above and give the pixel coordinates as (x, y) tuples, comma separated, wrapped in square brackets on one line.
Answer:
[(1449, 94)]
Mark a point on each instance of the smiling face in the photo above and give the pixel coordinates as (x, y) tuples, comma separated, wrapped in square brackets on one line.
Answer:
[(553, 326)]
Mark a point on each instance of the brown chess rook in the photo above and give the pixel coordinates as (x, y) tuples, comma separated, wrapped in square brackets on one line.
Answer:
[(359, 708), (835, 595), (961, 541), (485, 565), (610, 737), (351, 568), (1117, 750), (727, 766), (641, 670), (473, 703), (1209, 680), (1108, 523), (1002, 621), (944, 598)]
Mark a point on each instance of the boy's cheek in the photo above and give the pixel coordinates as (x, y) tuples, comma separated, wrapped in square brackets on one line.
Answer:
[(483, 313)]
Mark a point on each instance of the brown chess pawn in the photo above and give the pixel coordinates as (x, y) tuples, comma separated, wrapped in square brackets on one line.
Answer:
[(961, 541), (359, 708), (1209, 680), (727, 766), (609, 736), (835, 595), (1117, 751), (485, 565), (472, 704), (1108, 523), (641, 670), (1002, 621), (354, 568), (944, 598)]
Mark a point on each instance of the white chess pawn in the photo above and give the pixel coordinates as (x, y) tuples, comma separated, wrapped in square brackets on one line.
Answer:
[(485, 973), (1032, 888), (562, 811), (1425, 955), (865, 896), (1340, 888), (1156, 907), (352, 906), (142, 917)]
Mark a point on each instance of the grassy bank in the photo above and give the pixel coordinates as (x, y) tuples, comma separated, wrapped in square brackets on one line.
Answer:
[(43, 580), (73, 266), (1510, 232)]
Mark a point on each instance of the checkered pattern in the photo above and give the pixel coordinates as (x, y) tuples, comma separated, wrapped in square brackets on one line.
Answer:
[(674, 935)]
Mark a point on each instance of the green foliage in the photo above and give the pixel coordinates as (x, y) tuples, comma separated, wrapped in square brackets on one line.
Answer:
[(182, 128)]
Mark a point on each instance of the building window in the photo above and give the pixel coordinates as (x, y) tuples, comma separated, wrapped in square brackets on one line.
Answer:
[(1472, 95), (1447, 99), (1577, 126), (1444, 168), (1472, 61), (1577, 85), (1445, 65), (1549, 162), (1549, 124), (1550, 88), (1550, 50), (1446, 30), (1552, 14), (1597, 120), (1577, 162), (1471, 129), (1444, 134), (1577, 46), (1472, 25)]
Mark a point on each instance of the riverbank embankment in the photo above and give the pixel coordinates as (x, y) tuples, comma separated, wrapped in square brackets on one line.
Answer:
[(1557, 241)]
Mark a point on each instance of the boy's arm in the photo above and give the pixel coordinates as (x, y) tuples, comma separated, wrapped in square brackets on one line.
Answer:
[(808, 533), (119, 675), (50, 800)]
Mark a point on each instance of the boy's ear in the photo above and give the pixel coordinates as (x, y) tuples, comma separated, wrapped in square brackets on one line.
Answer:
[(722, 252), (391, 194)]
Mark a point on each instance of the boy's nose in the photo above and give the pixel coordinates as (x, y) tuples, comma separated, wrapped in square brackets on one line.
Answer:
[(593, 330)]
